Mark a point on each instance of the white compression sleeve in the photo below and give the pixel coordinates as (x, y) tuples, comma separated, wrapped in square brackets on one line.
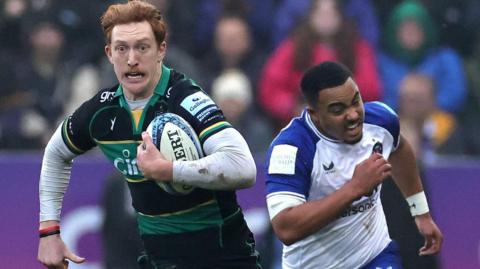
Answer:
[(228, 165), (54, 176), (278, 201)]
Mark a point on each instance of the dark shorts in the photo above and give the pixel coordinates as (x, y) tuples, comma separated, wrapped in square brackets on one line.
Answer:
[(389, 258), (228, 246)]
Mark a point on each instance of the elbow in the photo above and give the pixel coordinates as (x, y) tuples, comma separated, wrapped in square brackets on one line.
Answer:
[(249, 176), (286, 237), (244, 175), (287, 241), (249, 182), (240, 179), (287, 234), (246, 180)]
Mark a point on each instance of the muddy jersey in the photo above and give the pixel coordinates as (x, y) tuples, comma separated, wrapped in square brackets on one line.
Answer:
[(106, 121)]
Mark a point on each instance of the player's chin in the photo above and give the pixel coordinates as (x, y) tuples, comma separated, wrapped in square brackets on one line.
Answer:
[(353, 139)]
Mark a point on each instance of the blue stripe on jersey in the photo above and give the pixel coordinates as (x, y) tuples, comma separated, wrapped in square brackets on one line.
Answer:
[(297, 134), (380, 114)]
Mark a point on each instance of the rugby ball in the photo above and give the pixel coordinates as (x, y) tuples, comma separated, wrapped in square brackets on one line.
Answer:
[(177, 141)]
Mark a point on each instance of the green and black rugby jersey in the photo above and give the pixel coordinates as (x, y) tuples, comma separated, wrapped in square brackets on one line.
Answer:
[(106, 121)]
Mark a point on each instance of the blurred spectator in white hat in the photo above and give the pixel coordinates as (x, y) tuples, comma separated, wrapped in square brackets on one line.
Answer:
[(232, 91)]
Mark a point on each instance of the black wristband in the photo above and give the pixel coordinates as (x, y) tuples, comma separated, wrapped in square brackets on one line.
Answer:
[(49, 233)]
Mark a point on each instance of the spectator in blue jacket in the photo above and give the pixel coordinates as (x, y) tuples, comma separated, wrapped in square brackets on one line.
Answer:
[(411, 46)]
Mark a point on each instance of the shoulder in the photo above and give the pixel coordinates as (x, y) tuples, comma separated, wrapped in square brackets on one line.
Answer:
[(443, 54), (289, 160), (187, 99), (76, 127), (103, 98), (286, 47), (185, 94), (380, 114), (363, 45), (385, 58), (445, 51), (180, 86), (296, 137)]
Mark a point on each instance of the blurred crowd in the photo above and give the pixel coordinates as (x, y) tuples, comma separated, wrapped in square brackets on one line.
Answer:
[(420, 57)]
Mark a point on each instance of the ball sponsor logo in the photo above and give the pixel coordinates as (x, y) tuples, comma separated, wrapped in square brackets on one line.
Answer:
[(177, 146)]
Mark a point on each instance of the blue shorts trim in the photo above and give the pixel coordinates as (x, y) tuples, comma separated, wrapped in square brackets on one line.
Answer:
[(389, 258)]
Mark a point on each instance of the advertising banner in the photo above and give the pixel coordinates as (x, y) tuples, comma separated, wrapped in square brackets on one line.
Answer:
[(453, 195)]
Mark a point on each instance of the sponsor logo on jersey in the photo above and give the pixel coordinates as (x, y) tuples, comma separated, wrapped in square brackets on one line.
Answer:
[(112, 121), (328, 167), (201, 117), (126, 165), (167, 95), (282, 160), (360, 208), (70, 126), (106, 96), (196, 102)]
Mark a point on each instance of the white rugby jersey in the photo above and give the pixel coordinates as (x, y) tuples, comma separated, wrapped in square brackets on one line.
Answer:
[(305, 165)]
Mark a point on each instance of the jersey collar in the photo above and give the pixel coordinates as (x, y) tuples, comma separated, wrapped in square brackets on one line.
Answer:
[(315, 130), (161, 87)]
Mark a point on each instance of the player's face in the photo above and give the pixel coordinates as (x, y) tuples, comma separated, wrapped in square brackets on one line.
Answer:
[(339, 112), (136, 58)]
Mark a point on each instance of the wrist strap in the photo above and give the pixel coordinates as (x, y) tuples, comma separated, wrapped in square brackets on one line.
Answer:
[(49, 231), (418, 204)]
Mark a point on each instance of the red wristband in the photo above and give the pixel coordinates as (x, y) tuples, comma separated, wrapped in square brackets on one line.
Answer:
[(49, 233), (49, 230)]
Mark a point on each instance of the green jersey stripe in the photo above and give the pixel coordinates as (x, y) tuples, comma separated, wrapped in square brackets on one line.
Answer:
[(213, 129), (197, 218), (132, 180), (118, 142), (68, 141)]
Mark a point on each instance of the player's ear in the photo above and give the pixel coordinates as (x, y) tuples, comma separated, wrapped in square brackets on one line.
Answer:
[(108, 52), (162, 49), (311, 111)]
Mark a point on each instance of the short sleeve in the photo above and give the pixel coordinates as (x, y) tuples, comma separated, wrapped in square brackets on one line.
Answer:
[(76, 127), (289, 164), (382, 115), (190, 102)]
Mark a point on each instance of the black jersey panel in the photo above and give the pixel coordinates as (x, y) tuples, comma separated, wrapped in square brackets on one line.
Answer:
[(76, 131), (228, 204), (112, 123), (149, 198), (106, 121), (188, 100)]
